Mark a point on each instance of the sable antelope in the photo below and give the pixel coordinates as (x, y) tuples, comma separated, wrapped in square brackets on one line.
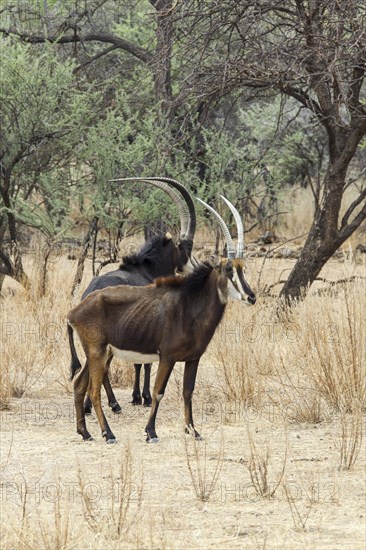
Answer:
[(158, 257), (171, 320)]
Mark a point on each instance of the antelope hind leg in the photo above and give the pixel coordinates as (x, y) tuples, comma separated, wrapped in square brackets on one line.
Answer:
[(80, 386)]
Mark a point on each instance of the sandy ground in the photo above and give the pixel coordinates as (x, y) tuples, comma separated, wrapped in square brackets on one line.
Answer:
[(41, 456)]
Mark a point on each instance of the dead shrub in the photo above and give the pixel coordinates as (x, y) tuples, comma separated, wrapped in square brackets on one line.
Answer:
[(204, 478), (260, 470)]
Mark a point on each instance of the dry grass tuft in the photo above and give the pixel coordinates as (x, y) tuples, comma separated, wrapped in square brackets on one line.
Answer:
[(299, 513), (203, 476), (33, 336), (5, 390), (33, 529), (350, 438), (125, 506), (331, 351), (259, 466), (239, 357)]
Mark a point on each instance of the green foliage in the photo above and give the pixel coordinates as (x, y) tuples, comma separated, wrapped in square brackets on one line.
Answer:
[(35, 100), (282, 139), (43, 118), (69, 142), (126, 144), (133, 24)]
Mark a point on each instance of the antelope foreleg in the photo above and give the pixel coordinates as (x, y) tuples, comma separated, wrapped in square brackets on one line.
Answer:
[(112, 401), (88, 405), (189, 381), (136, 393), (162, 376), (146, 390)]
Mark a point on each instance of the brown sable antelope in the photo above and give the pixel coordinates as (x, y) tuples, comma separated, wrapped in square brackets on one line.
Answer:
[(160, 256), (171, 320)]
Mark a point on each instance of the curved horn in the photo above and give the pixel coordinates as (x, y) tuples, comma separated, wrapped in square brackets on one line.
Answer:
[(187, 218), (229, 240), (191, 228), (239, 226), (181, 205)]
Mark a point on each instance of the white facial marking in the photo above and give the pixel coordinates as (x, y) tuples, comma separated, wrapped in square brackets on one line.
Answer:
[(233, 288), (188, 267), (134, 356), (236, 294)]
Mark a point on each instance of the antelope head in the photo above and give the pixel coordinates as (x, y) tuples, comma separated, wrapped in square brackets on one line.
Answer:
[(187, 215), (232, 282)]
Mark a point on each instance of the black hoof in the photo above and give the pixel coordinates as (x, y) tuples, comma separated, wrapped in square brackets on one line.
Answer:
[(151, 437), (147, 401), (85, 435), (116, 408), (136, 401), (193, 432), (109, 437)]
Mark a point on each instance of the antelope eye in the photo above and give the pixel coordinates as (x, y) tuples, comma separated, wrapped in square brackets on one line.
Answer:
[(229, 269)]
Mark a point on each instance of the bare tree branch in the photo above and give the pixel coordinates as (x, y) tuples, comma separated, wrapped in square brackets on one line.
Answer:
[(105, 37)]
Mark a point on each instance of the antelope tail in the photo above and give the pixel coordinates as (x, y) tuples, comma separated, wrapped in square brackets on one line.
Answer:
[(75, 363)]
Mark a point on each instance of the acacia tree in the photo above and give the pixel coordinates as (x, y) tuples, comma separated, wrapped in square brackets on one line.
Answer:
[(98, 27), (42, 116), (315, 52), (135, 41)]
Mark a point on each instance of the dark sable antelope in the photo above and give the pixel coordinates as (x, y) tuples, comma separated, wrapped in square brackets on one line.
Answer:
[(158, 257), (171, 320)]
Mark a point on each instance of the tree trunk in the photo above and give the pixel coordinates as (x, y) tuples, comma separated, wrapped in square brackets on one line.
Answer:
[(324, 238), (163, 53), (7, 267), (43, 259), (19, 273), (314, 255), (84, 252)]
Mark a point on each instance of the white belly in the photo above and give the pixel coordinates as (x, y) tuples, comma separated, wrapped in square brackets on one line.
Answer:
[(134, 356)]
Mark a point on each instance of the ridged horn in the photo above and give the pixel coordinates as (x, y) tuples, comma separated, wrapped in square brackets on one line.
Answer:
[(239, 226), (186, 209), (177, 199), (225, 230)]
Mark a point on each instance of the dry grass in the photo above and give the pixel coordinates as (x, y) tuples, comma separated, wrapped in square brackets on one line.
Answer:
[(299, 516), (350, 438), (125, 500), (297, 381), (259, 466), (204, 478), (122, 374), (332, 353)]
